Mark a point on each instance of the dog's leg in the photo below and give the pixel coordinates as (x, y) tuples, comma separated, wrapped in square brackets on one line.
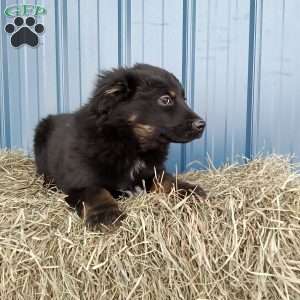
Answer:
[(165, 182), (96, 205)]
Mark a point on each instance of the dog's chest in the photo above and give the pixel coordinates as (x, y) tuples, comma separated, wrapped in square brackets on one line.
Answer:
[(131, 174), (137, 166)]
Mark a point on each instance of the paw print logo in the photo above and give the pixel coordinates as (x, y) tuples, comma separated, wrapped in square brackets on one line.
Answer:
[(24, 33)]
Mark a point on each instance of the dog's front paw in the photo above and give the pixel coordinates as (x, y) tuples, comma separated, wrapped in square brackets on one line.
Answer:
[(197, 190), (192, 189), (112, 215)]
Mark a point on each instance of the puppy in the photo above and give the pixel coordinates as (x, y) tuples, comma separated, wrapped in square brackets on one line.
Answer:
[(117, 141)]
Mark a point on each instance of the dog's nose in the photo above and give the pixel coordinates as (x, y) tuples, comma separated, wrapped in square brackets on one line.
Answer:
[(198, 125)]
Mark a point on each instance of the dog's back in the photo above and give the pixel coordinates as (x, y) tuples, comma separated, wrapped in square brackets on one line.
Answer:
[(51, 137), (41, 137)]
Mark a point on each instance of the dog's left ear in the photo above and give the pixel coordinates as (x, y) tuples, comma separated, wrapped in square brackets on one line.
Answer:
[(123, 86), (112, 88)]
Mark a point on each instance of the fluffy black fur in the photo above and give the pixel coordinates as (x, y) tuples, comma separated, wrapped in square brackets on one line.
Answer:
[(117, 141)]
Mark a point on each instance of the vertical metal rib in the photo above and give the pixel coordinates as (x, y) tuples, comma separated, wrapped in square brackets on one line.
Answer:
[(184, 70), (6, 130), (124, 32), (120, 31), (251, 72), (58, 56), (258, 76), (79, 53)]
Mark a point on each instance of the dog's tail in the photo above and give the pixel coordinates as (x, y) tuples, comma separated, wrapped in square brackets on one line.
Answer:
[(42, 133)]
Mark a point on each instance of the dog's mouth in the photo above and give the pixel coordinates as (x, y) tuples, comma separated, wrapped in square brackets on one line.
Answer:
[(150, 137), (171, 135)]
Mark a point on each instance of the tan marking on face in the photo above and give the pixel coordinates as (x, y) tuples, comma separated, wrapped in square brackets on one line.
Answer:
[(132, 118), (143, 131), (173, 94)]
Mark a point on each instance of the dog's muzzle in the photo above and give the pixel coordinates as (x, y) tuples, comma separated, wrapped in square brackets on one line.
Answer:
[(184, 133), (198, 125)]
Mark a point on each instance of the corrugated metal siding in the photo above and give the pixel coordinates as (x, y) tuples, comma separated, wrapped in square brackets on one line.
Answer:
[(276, 119), (239, 61)]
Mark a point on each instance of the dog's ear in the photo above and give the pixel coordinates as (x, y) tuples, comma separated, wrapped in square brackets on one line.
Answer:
[(113, 87), (124, 86)]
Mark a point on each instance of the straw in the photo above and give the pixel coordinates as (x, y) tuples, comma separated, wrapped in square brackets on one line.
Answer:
[(243, 242)]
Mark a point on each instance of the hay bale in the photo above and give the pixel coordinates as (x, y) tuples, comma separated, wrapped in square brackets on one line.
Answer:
[(243, 242)]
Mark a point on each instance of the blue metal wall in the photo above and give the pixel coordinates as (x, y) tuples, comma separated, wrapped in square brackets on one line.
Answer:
[(238, 59)]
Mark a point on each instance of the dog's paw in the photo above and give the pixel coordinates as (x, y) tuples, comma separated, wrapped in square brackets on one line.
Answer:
[(198, 191), (191, 189), (109, 216)]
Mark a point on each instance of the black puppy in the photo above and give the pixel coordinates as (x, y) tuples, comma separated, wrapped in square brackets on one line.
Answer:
[(117, 141)]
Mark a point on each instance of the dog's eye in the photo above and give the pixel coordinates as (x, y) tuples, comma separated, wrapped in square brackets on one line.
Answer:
[(165, 100)]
